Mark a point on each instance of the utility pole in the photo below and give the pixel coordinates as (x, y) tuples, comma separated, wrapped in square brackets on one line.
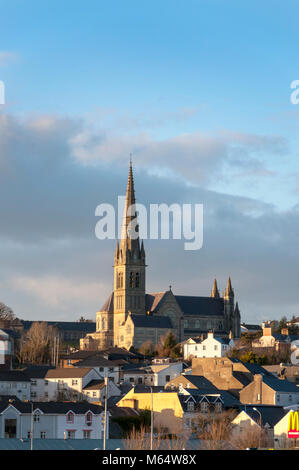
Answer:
[(31, 433), (105, 413)]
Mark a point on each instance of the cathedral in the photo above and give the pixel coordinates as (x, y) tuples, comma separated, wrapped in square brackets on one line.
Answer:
[(130, 317)]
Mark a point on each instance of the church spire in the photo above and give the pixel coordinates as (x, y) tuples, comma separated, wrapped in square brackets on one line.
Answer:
[(215, 292), (229, 290), (130, 229)]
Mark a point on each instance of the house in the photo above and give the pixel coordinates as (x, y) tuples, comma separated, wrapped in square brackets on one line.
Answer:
[(260, 416), (174, 410), (105, 367), (69, 383), (51, 420), (279, 342), (212, 346), (284, 371), (15, 382), (95, 391), (155, 374), (39, 384), (267, 390)]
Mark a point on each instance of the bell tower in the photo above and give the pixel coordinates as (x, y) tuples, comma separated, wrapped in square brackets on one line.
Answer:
[(129, 265)]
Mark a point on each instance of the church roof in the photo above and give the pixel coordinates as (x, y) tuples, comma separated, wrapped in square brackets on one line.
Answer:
[(151, 321), (153, 300), (108, 305), (205, 306)]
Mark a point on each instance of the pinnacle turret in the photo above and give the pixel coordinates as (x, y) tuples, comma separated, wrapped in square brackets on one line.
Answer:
[(215, 292)]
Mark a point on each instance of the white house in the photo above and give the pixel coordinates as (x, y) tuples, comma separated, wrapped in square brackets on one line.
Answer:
[(68, 383), (16, 383), (51, 420), (156, 374), (212, 346), (95, 391)]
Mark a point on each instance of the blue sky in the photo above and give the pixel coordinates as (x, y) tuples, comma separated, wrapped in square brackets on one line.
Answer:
[(199, 91)]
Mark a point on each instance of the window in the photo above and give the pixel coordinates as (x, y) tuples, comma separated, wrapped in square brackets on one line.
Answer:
[(33, 394), (218, 407), (29, 435), (204, 348), (88, 418), (185, 323), (36, 417), (190, 406), (131, 279), (33, 382), (70, 417), (215, 347), (75, 382), (46, 395), (278, 397), (43, 435), (86, 434), (137, 280), (290, 398), (71, 434), (46, 381), (204, 406), (167, 378)]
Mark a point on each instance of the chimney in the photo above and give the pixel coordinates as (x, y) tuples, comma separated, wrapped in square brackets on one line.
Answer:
[(258, 378)]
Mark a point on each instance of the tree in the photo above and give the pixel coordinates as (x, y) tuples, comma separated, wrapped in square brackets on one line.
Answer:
[(37, 345), (168, 346), (147, 348), (6, 313)]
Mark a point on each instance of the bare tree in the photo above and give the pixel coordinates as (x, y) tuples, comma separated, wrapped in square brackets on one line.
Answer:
[(6, 313), (250, 436), (37, 344), (141, 440)]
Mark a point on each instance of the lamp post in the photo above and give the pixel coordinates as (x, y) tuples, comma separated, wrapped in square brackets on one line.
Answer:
[(152, 418), (105, 414), (255, 409)]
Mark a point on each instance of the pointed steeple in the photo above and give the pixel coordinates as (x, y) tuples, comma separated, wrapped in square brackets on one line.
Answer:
[(130, 230), (229, 290), (215, 292), (237, 310)]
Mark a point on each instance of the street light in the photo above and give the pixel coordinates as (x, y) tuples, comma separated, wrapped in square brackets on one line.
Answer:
[(152, 418), (105, 415), (255, 409)]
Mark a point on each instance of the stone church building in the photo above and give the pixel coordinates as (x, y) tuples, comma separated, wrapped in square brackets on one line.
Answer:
[(131, 317)]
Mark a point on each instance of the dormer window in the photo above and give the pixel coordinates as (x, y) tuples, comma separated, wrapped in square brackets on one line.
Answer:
[(36, 416)]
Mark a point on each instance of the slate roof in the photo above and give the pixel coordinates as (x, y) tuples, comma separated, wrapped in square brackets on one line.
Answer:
[(97, 361), (37, 372), (13, 376), (152, 301), (257, 369), (280, 385), (95, 385), (151, 321), (86, 327), (228, 400), (67, 372), (205, 306), (199, 381), (53, 407), (270, 414), (82, 354), (108, 305)]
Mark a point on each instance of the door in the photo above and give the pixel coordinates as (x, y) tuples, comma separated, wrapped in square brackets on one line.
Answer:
[(10, 428)]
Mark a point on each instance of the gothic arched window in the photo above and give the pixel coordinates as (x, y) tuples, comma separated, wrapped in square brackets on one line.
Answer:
[(131, 279), (137, 280)]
